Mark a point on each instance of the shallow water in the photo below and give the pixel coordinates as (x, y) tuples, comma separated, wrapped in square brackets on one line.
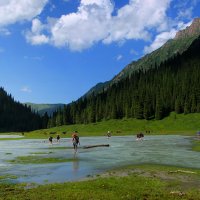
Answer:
[(10, 136), (169, 150)]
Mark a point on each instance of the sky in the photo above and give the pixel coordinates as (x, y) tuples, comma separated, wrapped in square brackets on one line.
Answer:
[(54, 51)]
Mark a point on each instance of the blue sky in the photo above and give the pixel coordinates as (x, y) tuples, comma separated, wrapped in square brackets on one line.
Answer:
[(54, 51)]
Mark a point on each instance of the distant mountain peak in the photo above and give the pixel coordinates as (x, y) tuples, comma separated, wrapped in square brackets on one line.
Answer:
[(192, 30)]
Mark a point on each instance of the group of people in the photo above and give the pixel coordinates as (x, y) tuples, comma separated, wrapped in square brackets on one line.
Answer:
[(75, 140), (57, 139)]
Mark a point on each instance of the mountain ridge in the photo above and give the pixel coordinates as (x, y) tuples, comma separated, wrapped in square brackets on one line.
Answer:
[(178, 45), (193, 29)]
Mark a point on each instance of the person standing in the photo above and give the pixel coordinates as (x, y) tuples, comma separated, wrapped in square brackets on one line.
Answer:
[(109, 134), (75, 141), (51, 140), (58, 138)]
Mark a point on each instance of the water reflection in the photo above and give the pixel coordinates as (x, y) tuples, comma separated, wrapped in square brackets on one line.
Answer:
[(75, 165)]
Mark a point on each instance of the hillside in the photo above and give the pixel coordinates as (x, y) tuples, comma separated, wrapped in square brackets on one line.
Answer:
[(153, 94), (179, 44), (173, 124), (44, 108), (14, 116)]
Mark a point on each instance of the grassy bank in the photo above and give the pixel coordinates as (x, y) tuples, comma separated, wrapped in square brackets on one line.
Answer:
[(174, 124), (134, 182)]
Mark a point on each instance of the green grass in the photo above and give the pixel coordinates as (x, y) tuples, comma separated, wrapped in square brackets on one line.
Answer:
[(196, 146), (174, 124), (134, 186), (38, 160), (8, 176)]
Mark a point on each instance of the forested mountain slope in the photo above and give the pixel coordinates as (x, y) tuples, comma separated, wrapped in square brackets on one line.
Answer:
[(179, 44), (14, 116), (173, 85)]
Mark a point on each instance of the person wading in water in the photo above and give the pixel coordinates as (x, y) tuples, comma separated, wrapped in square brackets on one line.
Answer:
[(75, 141), (58, 138)]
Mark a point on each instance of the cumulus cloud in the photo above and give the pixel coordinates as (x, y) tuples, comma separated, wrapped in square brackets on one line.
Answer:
[(26, 89), (135, 19), (82, 29), (163, 37), (95, 22), (12, 11), (34, 36)]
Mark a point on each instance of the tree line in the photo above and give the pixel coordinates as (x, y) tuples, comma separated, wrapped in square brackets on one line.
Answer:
[(15, 116), (173, 85)]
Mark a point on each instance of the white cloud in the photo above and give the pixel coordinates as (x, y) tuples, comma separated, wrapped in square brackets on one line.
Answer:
[(37, 39), (163, 37), (94, 22), (81, 30), (34, 36), (12, 11), (135, 19), (119, 57), (26, 89), (160, 40)]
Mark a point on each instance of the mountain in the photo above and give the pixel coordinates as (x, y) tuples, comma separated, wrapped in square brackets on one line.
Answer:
[(164, 81), (15, 116), (179, 44), (192, 30), (43, 108), (98, 87)]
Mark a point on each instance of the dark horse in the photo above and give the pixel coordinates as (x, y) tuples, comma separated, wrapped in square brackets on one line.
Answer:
[(140, 135)]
